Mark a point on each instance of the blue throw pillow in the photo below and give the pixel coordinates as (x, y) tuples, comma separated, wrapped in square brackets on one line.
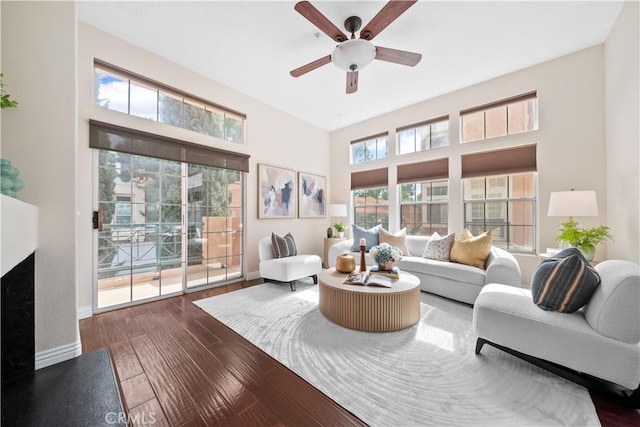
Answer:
[(565, 282), (370, 235)]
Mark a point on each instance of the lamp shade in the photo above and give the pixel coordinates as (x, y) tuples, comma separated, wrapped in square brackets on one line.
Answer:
[(338, 210), (353, 55), (573, 203)]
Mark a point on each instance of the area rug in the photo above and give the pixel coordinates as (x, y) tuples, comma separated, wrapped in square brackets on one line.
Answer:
[(424, 375)]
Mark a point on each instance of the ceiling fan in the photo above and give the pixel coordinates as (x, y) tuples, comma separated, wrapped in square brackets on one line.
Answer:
[(354, 54)]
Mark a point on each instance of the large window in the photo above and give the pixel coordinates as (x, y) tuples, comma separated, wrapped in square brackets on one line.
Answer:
[(369, 149), (128, 93), (424, 207), (505, 117), (505, 204), (371, 207), (423, 136)]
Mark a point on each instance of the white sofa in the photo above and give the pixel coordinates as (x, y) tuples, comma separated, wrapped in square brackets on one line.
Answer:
[(287, 269), (602, 339), (449, 279)]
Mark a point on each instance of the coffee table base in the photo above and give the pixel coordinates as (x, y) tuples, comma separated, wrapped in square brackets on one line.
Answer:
[(370, 311)]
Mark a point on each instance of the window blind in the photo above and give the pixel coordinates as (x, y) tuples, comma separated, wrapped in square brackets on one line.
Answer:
[(106, 136), (500, 162), (424, 123), (423, 171), (369, 179), (505, 101)]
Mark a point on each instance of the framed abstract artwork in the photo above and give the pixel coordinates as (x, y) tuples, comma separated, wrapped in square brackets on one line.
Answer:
[(312, 196), (276, 192)]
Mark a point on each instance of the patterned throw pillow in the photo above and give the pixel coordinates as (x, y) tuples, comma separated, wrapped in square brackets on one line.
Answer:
[(471, 250), (370, 235), (565, 282), (399, 239), (283, 246), (438, 247)]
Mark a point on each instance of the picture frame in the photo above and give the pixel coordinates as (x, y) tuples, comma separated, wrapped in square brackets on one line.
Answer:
[(277, 192), (312, 195)]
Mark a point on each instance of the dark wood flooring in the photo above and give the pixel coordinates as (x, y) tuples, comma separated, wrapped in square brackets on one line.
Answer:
[(178, 366)]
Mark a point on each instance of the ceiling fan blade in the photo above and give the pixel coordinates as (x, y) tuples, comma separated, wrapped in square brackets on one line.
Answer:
[(389, 13), (398, 56), (314, 16), (311, 66), (352, 81)]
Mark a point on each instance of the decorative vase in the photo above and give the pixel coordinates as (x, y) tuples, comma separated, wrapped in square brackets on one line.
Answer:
[(386, 267), (345, 263), (589, 251), (341, 234)]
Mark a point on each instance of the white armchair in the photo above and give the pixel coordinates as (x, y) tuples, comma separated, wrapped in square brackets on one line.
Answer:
[(287, 269)]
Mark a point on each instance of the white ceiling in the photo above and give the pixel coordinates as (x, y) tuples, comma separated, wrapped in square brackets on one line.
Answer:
[(252, 45)]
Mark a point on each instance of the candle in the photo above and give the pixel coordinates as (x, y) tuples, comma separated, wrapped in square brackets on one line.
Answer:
[(363, 242)]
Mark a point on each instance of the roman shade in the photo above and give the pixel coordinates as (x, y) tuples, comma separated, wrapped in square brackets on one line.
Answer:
[(368, 138), (424, 123), (369, 179), (423, 171), (500, 162), (106, 136), (500, 103)]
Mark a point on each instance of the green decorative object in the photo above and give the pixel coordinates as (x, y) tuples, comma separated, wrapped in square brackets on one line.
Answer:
[(10, 184), (5, 98), (585, 239)]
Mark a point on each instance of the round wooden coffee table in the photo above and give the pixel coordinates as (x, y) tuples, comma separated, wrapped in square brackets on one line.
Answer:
[(370, 308)]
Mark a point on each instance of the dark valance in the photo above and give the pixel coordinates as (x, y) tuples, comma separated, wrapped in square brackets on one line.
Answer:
[(500, 162), (424, 171), (106, 136)]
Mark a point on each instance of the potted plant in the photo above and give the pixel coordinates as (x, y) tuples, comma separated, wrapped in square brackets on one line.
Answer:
[(340, 227), (5, 98), (585, 239)]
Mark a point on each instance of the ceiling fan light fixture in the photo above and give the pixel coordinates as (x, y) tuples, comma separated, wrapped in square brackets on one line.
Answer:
[(353, 55)]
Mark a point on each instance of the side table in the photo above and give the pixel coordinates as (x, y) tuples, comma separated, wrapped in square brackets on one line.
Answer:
[(328, 242)]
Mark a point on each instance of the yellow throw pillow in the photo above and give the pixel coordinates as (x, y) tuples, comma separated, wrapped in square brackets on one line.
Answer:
[(398, 240), (472, 250)]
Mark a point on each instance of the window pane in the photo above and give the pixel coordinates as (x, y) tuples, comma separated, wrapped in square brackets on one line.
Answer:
[(440, 190), (473, 188), (382, 148), (522, 116), (406, 141), (440, 134), (521, 185), (408, 193), (232, 128), (170, 109), (473, 127), (370, 149), (497, 187), (195, 117), (144, 101), (214, 123), (358, 153), (423, 138), (496, 122), (111, 91)]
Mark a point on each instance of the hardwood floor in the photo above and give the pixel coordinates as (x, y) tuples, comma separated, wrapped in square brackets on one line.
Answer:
[(178, 366)]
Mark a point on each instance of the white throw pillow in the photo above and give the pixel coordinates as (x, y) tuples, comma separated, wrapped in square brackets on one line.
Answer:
[(438, 247)]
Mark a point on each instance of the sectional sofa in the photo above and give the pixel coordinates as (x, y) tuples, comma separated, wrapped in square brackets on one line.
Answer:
[(448, 279)]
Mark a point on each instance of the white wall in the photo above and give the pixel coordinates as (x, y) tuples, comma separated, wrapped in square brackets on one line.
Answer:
[(570, 139), (273, 137), (39, 137), (623, 134)]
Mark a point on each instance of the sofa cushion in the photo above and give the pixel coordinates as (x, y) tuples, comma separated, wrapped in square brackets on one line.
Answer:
[(471, 250), (565, 282), (283, 246), (399, 239), (449, 270), (438, 247), (370, 235)]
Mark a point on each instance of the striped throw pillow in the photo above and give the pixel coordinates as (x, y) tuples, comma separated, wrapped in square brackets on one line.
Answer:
[(283, 246), (564, 283)]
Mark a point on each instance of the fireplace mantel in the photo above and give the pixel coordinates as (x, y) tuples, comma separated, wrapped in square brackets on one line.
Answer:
[(19, 231)]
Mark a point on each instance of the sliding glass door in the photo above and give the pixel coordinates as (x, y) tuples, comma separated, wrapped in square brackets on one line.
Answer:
[(167, 227)]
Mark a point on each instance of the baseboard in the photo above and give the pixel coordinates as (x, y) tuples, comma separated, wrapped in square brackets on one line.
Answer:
[(58, 354), (84, 312), (253, 275)]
